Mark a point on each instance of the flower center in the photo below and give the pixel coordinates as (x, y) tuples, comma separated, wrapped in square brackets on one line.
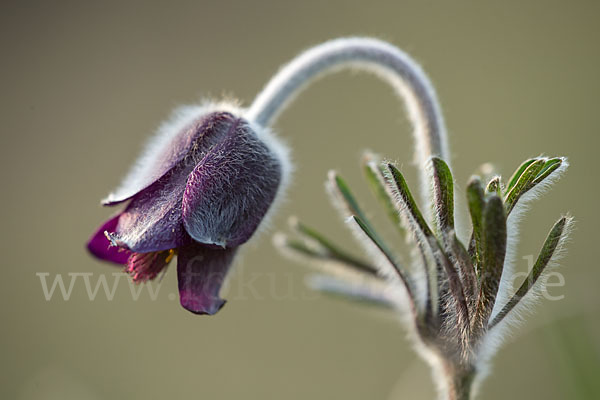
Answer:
[(146, 266)]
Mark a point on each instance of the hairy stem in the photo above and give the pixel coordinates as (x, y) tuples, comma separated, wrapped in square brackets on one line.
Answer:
[(372, 55), (458, 382)]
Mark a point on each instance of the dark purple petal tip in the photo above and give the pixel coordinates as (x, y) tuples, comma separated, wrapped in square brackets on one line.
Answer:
[(200, 274), (101, 247)]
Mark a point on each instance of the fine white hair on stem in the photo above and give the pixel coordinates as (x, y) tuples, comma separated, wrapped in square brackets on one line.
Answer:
[(371, 55)]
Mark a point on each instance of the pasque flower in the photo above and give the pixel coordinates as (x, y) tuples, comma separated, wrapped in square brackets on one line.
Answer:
[(209, 178), (205, 184), (199, 191)]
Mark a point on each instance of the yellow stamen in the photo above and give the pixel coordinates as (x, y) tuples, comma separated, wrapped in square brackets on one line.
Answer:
[(170, 256)]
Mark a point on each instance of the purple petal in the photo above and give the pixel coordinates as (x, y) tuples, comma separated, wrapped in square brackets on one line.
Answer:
[(101, 247), (174, 141), (231, 189), (200, 273), (153, 219)]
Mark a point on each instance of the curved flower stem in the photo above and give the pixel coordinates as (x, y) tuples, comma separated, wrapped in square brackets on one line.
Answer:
[(385, 60)]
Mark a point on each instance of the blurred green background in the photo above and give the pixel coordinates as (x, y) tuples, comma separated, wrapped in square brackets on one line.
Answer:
[(84, 83)]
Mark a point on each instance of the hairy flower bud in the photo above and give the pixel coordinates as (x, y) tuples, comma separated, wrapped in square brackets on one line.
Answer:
[(202, 188)]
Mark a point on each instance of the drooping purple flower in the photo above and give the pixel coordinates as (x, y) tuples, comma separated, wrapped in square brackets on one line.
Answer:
[(200, 190)]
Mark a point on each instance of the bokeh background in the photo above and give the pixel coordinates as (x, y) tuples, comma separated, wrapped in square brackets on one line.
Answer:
[(84, 83)]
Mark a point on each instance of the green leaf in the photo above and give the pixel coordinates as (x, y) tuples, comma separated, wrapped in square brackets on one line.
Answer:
[(365, 294), (494, 250), (329, 250), (374, 174), (535, 173), (515, 177), (523, 184), (549, 167), (456, 288), (421, 230), (298, 247), (546, 254), (341, 188), (494, 186), (362, 226), (476, 201), (443, 194), (342, 192), (410, 206), (465, 265)]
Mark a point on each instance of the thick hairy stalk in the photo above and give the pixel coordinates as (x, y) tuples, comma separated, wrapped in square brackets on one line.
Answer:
[(371, 55)]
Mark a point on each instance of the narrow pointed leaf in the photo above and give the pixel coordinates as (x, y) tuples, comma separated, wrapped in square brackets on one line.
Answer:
[(409, 204), (305, 254), (443, 194), (299, 246), (296, 248), (461, 257), (301, 249), (476, 201), (523, 184), (455, 287), (549, 167), (374, 174), (364, 228), (494, 251), (517, 174), (532, 177), (428, 245), (494, 186), (366, 294), (546, 254), (339, 188), (328, 249)]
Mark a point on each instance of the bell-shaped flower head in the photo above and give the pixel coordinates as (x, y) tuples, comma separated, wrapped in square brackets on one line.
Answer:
[(202, 188)]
